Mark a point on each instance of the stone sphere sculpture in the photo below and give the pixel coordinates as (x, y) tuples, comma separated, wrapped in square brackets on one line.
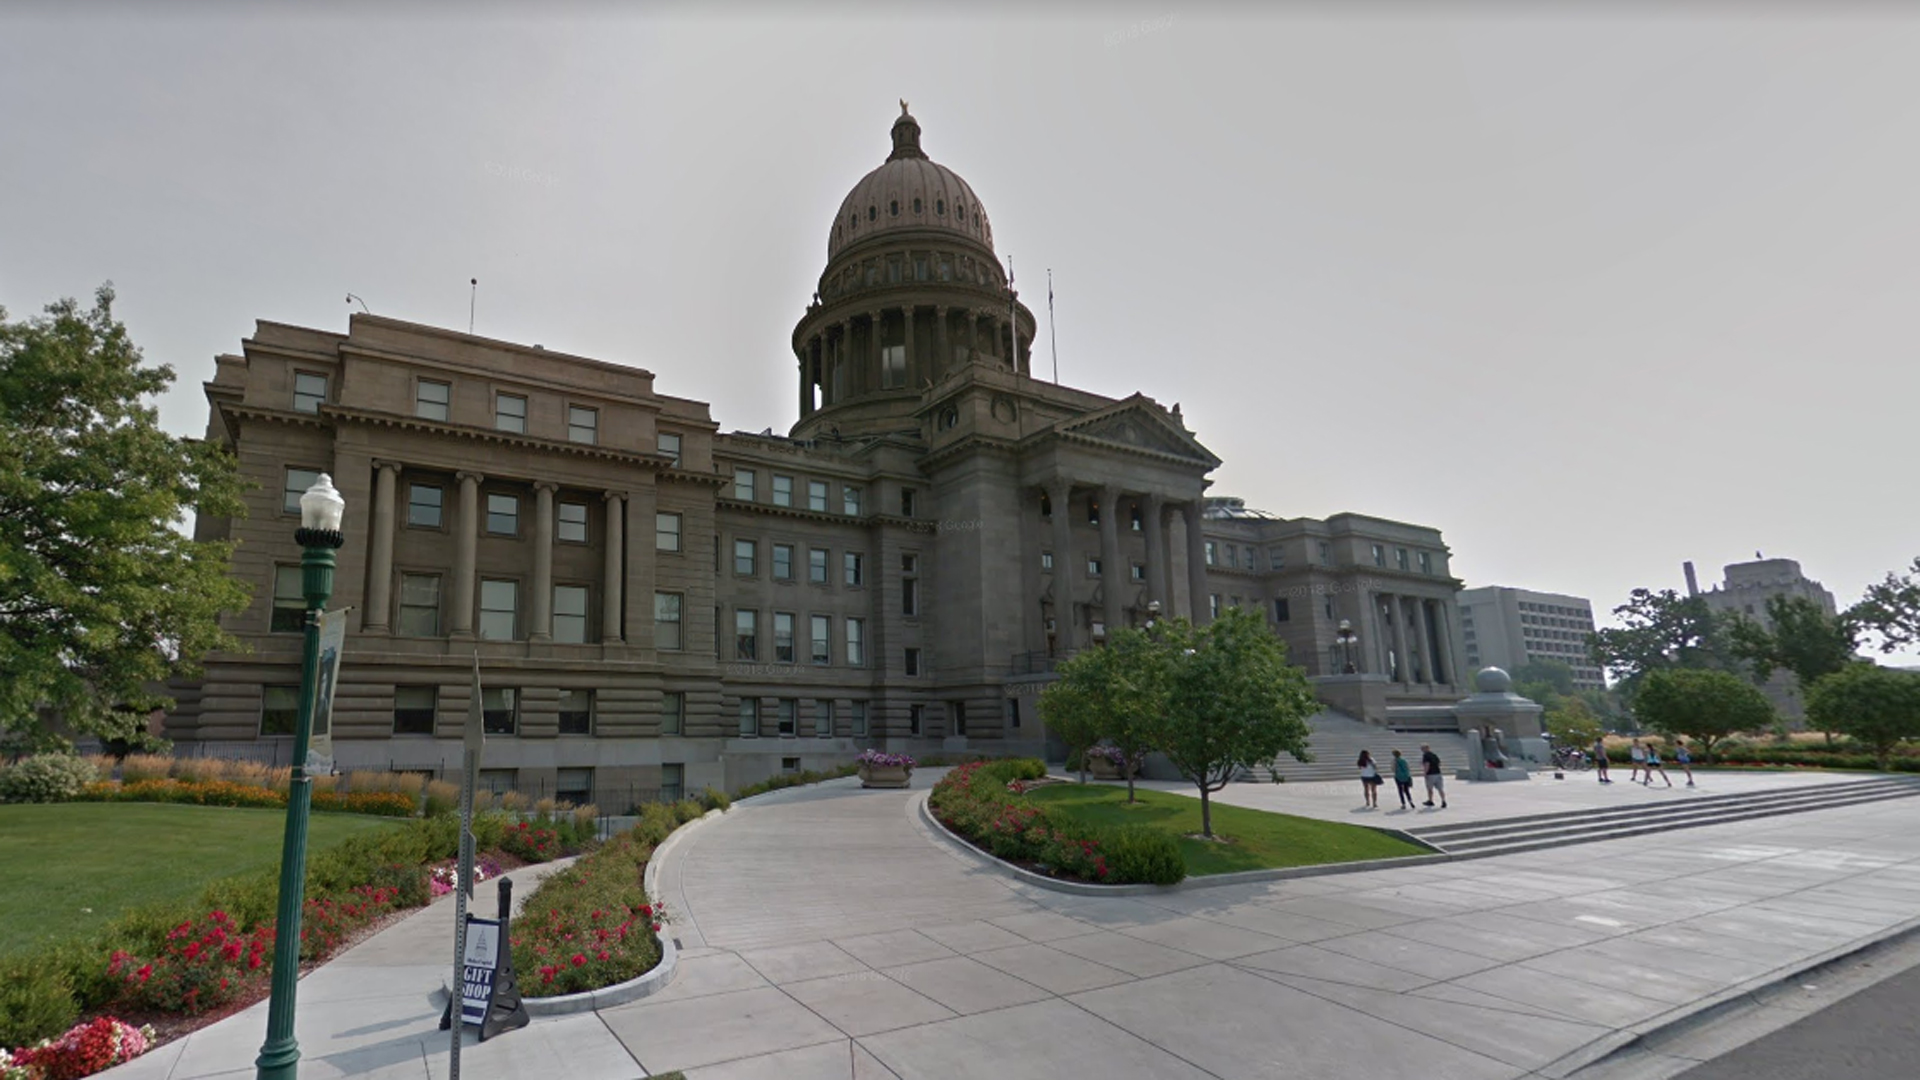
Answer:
[(1492, 680)]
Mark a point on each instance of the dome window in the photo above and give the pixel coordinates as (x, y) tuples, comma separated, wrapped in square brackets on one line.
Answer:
[(853, 218), (940, 207), (872, 213), (959, 213), (893, 208), (916, 206)]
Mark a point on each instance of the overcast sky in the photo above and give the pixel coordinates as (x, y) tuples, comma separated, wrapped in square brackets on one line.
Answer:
[(1593, 295)]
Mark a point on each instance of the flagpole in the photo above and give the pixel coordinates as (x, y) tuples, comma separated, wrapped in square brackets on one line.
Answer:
[(1013, 318), (1052, 336)]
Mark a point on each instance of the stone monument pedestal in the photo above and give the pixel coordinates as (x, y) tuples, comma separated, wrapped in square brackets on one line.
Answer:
[(1502, 729)]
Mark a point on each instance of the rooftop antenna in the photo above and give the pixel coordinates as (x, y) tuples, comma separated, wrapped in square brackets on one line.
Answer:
[(473, 298), (1053, 336), (1013, 319), (352, 299)]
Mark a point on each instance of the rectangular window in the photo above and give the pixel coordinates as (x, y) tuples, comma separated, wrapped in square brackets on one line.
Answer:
[(782, 490), (510, 412), (668, 444), (1326, 553), (289, 605), (666, 532), (673, 710), (309, 392), (419, 605), (823, 718), (850, 562), (499, 710), (1426, 562), (1137, 572), (743, 484), (1281, 611), (913, 661), (576, 712), (916, 719), (298, 481), (1213, 553), (960, 718), (573, 787), (907, 502), (570, 614), (746, 557), (1093, 567), (1276, 559), (817, 565), (746, 635), (423, 505), (1400, 558), (430, 399), (499, 781), (413, 708), (499, 608), (788, 717), (909, 585), (783, 562), (858, 718), (850, 501), (1013, 713), (1134, 519), (673, 782), (666, 620), (573, 522), (583, 424), (279, 709), (893, 367), (750, 717), (783, 637), (1233, 562), (503, 515), (1379, 555), (817, 496), (821, 627), (1213, 604), (856, 642), (789, 764), (1093, 511)]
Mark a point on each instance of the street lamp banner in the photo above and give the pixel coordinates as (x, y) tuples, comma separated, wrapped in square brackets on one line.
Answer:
[(333, 640), (481, 960)]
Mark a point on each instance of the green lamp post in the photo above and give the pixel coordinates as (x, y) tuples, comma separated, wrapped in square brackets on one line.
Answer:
[(318, 536)]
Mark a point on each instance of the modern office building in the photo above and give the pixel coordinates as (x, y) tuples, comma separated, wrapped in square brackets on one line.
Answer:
[(1507, 627), (659, 605)]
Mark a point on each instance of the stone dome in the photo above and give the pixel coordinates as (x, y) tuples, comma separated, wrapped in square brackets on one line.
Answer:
[(1493, 680), (909, 191)]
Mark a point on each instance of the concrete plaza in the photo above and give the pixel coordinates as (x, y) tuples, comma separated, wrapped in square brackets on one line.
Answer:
[(826, 934)]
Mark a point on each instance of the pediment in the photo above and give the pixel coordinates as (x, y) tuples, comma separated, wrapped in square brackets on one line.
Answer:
[(1139, 425)]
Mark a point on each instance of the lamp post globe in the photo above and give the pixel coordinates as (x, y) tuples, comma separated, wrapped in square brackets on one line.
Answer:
[(1347, 639), (319, 536)]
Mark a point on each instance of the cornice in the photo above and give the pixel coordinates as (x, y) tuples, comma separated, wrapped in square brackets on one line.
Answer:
[(655, 461)]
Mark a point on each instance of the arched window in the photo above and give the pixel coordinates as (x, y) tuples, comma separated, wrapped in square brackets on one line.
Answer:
[(893, 208), (960, 213), (940, 207), (916, 206), (872, 213)]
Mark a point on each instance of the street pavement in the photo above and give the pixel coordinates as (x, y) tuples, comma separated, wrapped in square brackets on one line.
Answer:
[(1870, 1036), (827, 934)]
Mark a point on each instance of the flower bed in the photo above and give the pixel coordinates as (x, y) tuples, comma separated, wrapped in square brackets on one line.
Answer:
[(975, 802), (83, 1050)]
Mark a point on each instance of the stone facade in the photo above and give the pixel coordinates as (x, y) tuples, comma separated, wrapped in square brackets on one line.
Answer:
[(658, 605), (1745, 591)]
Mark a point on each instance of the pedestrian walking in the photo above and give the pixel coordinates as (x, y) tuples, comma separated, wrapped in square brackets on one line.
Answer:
[(1653, 766), (1683, 758), (1600, 758), (1403, 780), (1639, 755), (1369, 780), (1430, 768)]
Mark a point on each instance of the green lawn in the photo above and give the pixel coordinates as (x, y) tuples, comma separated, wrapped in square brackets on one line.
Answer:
[(71, 867), (1258, 840)]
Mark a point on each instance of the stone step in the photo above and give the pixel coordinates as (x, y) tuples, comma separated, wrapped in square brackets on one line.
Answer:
[(1692, 804)]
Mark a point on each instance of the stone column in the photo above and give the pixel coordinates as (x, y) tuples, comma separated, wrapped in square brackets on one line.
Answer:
[(973, 334), (643, 503), (876, 364), (616, 543), (906, 340), (942, 352), (806, 383), (852, 376), (465, 552), (1197, 564), (1167, 591), (380, 572), (1060, 494), (1114, 576), (1156, 568), (542, 629), (1402, 671), (1442, 645)]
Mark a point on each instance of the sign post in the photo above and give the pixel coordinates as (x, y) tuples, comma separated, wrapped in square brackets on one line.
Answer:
[(474, 741)]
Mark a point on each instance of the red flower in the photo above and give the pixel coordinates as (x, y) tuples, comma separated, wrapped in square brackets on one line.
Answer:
[(579, 959), (656, 928)]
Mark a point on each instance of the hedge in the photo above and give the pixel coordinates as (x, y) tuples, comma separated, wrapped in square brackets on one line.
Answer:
[(976, 802)]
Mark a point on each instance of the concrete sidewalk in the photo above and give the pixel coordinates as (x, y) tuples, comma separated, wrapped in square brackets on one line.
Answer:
[(827, 936)]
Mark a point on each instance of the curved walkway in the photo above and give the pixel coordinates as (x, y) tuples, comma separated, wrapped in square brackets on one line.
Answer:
[(827, 937)]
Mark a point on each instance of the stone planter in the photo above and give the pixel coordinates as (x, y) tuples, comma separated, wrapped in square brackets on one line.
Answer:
[(1101, 769), (885, 776)]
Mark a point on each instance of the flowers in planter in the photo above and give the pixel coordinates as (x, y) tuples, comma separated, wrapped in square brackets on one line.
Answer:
[(443, 878), (1113, 756), (875, 759), (84, 1050)]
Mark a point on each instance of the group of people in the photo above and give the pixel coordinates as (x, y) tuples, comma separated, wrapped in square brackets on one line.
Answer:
[(1646, 762), (1371, 780)]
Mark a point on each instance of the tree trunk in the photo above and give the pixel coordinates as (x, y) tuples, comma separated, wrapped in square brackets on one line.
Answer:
[(1206, 813), (1127, 767)]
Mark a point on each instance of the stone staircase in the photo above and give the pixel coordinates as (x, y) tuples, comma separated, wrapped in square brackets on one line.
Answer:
[(1336, 743), (1536, 831)]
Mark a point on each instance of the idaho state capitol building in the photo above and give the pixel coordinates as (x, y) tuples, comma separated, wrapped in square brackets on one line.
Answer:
[(658, 605)]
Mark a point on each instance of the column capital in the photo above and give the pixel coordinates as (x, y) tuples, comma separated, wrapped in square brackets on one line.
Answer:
[(546, 485), (1110, 492), (613, 496), (470, 477), (1060, 487), (387, 466)]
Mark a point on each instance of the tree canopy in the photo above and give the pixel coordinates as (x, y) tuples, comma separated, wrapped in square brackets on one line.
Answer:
[(1662, 630), (1117, 693), (102, 597), (1706, 706), (1891, 610), (1876, 705)]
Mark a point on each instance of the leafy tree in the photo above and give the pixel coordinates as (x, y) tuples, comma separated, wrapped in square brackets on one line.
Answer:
[(1543, 679), (1117, 693), (1706, 706), (1663, 630), (1233, 701), (1072, 706), (1876, 705), (102, 598), (1572, 723), (1891, 610), (1802, 638)]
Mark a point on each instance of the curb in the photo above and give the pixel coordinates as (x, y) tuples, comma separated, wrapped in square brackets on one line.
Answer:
[(1209, 881), (1599, 1052)]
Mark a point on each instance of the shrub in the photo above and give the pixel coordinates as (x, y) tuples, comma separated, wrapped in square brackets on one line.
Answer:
[(590, 925), (973, 801), (145, 767), (201, 964), (688, 810), (379, 803), (531, 843), (442, 797), (36, 1001), (715, 799), (1137, 854), (45, 778)]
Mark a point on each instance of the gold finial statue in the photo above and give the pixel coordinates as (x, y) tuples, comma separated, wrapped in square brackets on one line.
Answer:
[(903, 106)]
